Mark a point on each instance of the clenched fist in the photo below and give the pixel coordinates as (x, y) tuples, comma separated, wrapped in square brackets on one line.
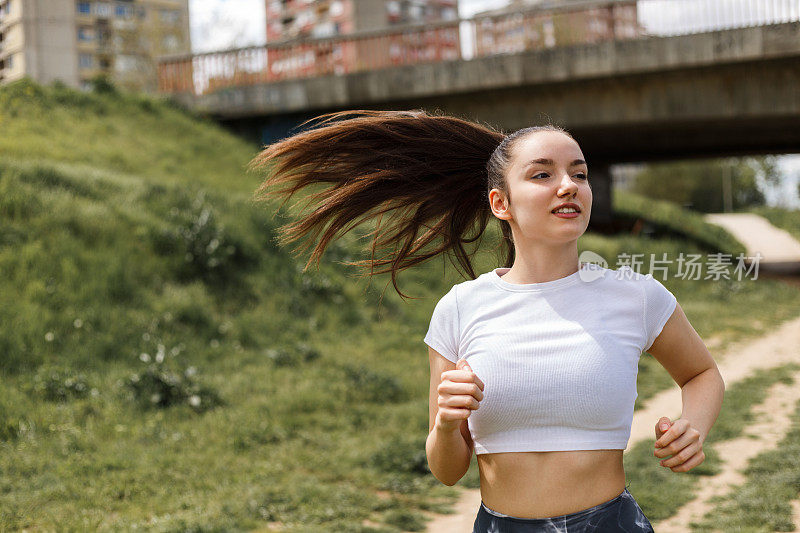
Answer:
[(460, 392)]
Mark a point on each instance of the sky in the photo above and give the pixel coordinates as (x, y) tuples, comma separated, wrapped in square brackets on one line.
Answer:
[(221, 24)]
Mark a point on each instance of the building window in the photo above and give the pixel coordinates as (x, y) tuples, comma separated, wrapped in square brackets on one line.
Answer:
[(85, 34), (85, 8), (125, 63), (169, 15), (86, 61), (10, 62), (170, 43), (102, 9), (124, 11), (6, 8)]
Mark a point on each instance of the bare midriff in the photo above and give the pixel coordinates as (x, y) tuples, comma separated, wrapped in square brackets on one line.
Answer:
[(547, 484)]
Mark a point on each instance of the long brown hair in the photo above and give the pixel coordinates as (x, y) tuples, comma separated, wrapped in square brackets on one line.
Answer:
[(430, 171)]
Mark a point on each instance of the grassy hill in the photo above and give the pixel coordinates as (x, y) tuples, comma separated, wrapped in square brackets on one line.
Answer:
[(126, 133), (166, 366)]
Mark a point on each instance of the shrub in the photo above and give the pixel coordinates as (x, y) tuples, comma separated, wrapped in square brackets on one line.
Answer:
[(405, 520), (61, 384), (406, 456), (8, 429), (159, 386), (205, 250), (17, 201), (102, 84), (10, 419), (365, 384), (300, 353)]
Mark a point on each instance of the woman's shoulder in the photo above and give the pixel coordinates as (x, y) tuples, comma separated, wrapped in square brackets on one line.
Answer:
[(622, 278), (625, 280), (620, 274), (465, 292)]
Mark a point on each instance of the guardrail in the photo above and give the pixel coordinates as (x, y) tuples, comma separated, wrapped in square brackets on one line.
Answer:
[(537, 27)]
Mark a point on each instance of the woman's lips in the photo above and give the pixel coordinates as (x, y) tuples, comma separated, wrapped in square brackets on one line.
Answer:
[(567, 215)]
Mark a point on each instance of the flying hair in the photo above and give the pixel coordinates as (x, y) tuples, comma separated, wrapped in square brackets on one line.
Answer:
[(429, 173)]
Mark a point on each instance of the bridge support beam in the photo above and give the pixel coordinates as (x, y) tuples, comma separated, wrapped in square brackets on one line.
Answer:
[(600, 179)]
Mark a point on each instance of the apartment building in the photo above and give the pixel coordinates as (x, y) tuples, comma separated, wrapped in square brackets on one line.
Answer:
[(73, 41), (507, 30), (302, 19)]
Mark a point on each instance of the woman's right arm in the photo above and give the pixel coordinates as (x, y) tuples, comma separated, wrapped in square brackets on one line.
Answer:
[(449, 445)]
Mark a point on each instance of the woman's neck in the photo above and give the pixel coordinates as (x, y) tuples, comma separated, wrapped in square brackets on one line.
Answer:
[(543, 265)]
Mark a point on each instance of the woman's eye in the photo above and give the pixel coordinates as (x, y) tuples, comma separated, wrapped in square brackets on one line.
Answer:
[(580, 175)]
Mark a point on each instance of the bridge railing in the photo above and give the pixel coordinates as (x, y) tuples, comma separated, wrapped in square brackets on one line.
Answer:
[(522, 29)]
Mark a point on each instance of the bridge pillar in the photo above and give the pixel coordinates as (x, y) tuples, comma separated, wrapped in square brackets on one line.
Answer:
[(267, 130), (600, 178)]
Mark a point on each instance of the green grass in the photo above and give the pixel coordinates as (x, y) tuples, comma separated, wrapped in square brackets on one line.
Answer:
[(127, 133), (322, 385), (667, 219), (763, 502), (660, 491)]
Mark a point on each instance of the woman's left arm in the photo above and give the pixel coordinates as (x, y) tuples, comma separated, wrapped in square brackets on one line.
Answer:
[(681, 351)]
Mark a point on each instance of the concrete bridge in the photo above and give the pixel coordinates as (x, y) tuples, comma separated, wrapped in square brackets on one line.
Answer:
[(717, 93)]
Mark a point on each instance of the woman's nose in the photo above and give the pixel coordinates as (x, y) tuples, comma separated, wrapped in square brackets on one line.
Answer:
[(567, 185)]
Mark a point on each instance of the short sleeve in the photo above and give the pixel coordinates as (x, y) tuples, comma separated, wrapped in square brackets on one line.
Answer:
[(659, 304), (443, 332)]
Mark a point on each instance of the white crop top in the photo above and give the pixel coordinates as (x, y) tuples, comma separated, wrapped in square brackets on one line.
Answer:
[(558, 359)]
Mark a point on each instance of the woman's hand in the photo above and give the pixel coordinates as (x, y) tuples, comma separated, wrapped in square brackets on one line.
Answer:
[(680, 440), (460, 392)]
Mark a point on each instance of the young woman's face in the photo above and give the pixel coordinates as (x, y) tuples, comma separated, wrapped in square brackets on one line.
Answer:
[(547, 170)]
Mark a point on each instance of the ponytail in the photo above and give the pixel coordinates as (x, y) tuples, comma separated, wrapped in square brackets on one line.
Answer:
[(432, 173)]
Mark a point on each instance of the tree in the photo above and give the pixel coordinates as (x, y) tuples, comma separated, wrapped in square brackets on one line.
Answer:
[(700, 184), (139, 41)]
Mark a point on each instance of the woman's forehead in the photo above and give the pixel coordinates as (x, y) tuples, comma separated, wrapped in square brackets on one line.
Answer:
[(547, 156), (548, 144)]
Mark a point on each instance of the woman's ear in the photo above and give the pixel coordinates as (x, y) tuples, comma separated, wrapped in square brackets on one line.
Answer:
[(499, 204)]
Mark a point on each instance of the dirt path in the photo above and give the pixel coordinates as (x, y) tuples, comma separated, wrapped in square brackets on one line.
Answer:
[(773, 421), (780, 251), (774, 349), (796, 514)]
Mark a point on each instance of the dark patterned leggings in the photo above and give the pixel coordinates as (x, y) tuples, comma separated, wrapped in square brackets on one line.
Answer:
[(619, 515)]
